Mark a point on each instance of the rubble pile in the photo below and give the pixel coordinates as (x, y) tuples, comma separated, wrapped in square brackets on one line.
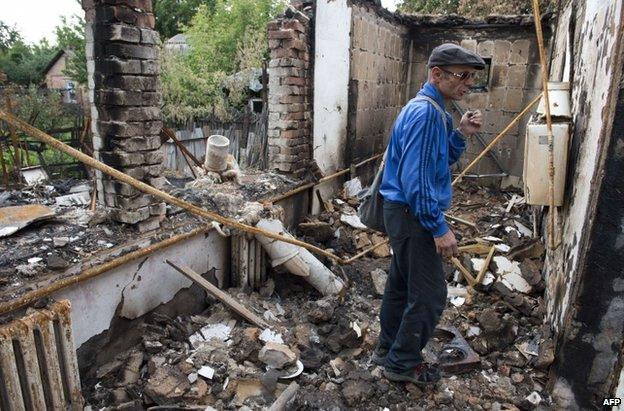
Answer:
[(492, 345), (73, 233)]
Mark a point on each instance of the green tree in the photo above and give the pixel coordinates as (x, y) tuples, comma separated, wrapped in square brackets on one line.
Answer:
[(472, 8), (229, 39), (24, 64), (8, 36), (173, 15), (70, 36), (429, 6)]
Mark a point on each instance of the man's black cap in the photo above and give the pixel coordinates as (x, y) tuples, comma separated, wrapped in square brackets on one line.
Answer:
[(449, 54)]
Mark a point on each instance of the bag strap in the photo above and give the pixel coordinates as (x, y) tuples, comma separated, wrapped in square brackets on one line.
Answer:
[(437, 107)]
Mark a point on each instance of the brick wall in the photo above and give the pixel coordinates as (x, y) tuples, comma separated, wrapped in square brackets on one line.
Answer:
[(378, 80), (514, 80), (125, 97), (289, 101)]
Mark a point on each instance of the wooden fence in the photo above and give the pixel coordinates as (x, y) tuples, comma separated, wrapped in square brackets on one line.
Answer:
[(247, 135)]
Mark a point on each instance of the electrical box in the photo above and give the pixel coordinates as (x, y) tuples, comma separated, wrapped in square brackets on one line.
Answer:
[(536, 177)]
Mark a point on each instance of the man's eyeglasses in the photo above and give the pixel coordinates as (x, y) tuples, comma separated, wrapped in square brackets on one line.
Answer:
[(464, 75)]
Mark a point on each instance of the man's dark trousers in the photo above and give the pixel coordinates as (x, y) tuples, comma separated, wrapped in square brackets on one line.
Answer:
[(415, 293)]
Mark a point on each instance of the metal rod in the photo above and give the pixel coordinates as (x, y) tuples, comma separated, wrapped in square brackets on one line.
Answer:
[(97, 270), (171, 134), (551, 154), (498, 137), (182, 149), (321, 181), (485, 175), (482, 141), (462, 221), (40, 135)]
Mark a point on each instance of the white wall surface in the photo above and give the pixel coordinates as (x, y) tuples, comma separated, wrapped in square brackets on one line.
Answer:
[(331, 83), (140, 286)]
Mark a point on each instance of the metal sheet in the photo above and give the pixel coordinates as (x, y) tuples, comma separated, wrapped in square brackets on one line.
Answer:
[(13, 219)]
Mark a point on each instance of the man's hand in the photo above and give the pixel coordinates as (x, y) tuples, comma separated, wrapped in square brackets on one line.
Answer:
[(471, 122), (446, 245)]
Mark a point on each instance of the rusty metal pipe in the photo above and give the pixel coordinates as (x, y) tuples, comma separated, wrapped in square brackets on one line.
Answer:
[(139, 185), (321, 181), (97, 270)]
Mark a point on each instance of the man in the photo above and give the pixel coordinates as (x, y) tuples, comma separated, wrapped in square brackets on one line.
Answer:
[(416, 188)]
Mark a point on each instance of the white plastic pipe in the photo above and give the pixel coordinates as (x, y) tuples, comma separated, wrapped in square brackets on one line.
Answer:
[(298, 260)]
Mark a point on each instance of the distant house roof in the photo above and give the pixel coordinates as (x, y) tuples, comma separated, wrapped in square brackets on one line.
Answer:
[(54, 59), (177, 43)]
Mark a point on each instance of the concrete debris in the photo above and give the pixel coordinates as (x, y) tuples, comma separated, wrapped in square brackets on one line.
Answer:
[(277, 355), (324, 343), (74, 199), (353, 220), (206, 372), (379, 278), (511, 275), (270, 336), (34, 175), (352, 187)]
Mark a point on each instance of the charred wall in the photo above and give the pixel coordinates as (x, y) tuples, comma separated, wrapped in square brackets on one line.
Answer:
[(585, 295), (125, 98), (511, 82), (378, 79)]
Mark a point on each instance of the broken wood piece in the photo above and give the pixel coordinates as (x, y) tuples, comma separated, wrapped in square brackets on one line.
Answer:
[(368, 250), (476, 248), (486, 264), (462, 221), (469, 278), (221, 295), (288, 394)]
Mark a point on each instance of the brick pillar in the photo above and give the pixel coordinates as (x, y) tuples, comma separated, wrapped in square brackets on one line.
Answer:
[(125, 97), (290, 96)]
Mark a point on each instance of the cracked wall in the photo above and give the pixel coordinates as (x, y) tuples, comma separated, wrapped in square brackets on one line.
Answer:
[(585, 296)]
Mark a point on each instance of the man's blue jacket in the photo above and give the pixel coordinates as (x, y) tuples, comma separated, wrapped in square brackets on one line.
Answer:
[(419, 155)]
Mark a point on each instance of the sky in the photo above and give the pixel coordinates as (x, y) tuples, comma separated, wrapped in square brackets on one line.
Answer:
[(36, 19)]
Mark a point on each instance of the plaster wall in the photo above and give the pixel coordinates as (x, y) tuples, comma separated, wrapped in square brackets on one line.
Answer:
[(331, 83), (138, 287)]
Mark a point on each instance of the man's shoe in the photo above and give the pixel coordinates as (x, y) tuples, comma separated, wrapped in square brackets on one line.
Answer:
[(379, 356), (422, 374)]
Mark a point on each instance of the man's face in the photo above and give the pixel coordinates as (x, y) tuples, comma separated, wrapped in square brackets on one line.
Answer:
[(454, 82)]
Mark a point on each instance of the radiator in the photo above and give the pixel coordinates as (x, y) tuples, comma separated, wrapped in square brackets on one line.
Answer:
[(38, 363), (248, 261)]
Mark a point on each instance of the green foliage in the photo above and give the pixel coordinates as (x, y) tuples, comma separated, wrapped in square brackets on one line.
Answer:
[(429, 6), (24, 64), (472, 8), (70, 37), (173, 15), (41, 108), (8, 36), (229, 39)]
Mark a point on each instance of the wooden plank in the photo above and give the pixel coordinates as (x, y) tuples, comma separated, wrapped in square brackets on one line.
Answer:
[(288, 394), (220, 295), (485, 265), (469, 278)]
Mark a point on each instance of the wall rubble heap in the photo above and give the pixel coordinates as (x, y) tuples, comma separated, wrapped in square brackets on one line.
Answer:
[(125, 98), (289, 125)]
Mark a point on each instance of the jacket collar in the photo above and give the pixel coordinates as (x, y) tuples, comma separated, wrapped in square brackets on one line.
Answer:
[(431, 91)]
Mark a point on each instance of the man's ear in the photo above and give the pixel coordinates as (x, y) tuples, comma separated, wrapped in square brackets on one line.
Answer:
[(436, 73)]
